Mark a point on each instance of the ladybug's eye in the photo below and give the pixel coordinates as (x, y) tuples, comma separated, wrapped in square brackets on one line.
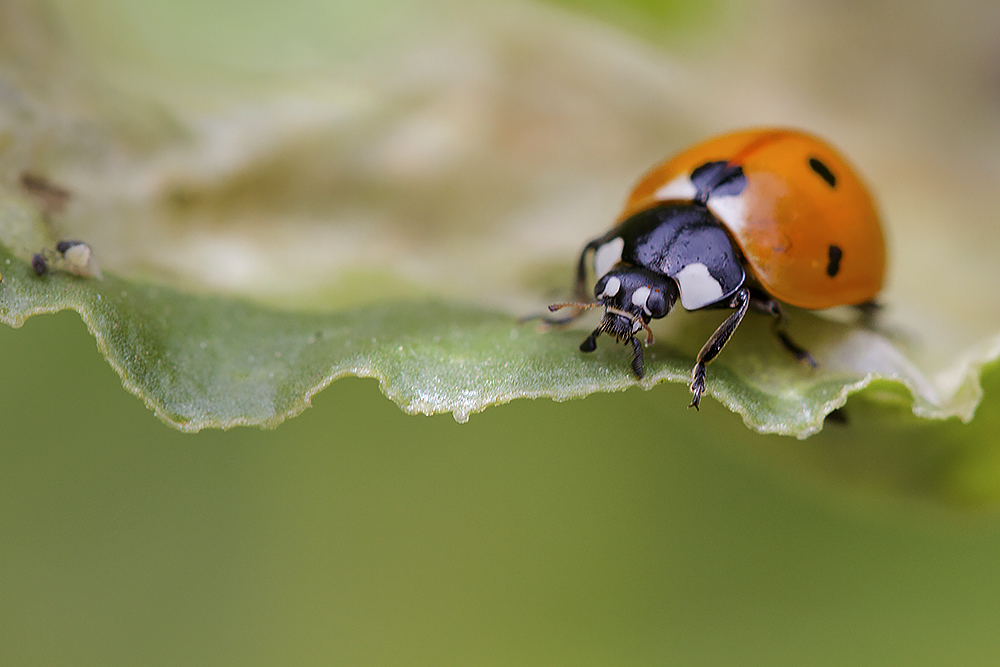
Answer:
[(656, 304)]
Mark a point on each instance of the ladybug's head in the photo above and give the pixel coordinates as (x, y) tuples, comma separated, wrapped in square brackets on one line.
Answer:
[(631, 298)]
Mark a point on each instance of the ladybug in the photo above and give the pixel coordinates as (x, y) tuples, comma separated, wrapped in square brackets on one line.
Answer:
[(752, 219)]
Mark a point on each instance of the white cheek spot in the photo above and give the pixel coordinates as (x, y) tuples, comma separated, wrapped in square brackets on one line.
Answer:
[(732, 211), (611, 288), (636, 326), (679, 188), (639, 298), (698, 287), (608, 255)]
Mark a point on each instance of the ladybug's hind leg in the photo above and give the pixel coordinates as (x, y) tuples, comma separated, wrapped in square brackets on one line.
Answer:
[(771, 307), (710, 350), (869, 312)]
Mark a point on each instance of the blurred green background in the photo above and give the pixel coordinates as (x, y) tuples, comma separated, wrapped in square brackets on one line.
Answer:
[(622, 529)]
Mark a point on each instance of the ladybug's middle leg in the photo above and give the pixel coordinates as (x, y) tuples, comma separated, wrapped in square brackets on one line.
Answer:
[(716, 342), (768, 306), (582, 293)]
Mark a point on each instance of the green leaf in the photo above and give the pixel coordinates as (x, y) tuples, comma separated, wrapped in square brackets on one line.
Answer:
[(387, 213), (213, 361)]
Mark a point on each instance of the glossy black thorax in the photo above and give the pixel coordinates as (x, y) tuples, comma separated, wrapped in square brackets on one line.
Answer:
[(685, 241)]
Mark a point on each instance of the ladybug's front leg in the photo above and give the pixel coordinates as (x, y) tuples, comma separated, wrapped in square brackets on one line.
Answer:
[(589, 344), (637, 366), (716, 342)]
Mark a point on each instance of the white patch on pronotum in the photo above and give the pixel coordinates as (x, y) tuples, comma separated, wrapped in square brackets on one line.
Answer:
[(639, 298), (614, 284), (608, 255), (698, 287), (679, 188), (731, 210)]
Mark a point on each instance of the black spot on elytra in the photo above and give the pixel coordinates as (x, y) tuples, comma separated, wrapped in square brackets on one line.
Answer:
[(718, 179), (833, 267), (823, 171)]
